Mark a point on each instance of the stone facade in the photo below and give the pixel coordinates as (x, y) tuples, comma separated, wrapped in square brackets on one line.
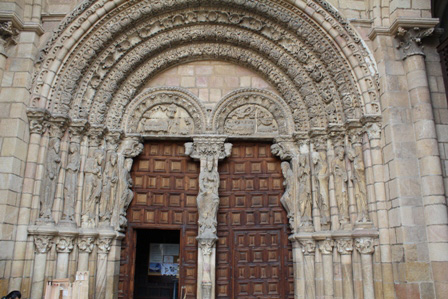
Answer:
[(349, 92)]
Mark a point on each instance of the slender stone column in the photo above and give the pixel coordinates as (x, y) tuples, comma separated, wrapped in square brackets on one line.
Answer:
[(104, 246), (366, 249), (299, 275), (309, 250), (37, 128), (43, 245), (326, 249), (345, 248), (208, 150), (433, 191), (64, 247), (374, 134)]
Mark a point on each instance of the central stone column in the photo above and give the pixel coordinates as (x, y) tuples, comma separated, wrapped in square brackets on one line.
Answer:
[(208, 150)]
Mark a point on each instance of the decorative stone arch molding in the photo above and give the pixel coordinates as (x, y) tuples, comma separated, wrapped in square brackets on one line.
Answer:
[(90, 114)]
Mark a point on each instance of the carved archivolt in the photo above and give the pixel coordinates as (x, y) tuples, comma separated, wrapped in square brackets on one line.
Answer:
[(164, 111), (251, 112), (129, 44)]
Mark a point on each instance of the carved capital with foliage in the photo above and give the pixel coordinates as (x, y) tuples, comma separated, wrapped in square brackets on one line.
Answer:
[(308, 246), (86, 243), (411, 40), (344, 246), (43, 243), (104, 244), (365, 245), (64, 244), (37, 118), (326, 246), (208, 146)]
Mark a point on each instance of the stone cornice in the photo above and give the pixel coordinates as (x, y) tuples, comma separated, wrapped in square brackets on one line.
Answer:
[(17, 23), (422, 23)]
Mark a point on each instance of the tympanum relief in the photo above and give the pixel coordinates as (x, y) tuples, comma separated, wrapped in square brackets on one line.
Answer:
[(250, 120), (168, 119)]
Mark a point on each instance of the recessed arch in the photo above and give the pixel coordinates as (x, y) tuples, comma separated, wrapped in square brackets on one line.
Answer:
[(317, 33)]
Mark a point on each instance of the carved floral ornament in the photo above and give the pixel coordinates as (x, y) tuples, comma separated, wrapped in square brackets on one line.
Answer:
[(107, 68)]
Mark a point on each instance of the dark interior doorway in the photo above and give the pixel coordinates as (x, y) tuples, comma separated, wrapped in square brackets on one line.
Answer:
[(157, 264)]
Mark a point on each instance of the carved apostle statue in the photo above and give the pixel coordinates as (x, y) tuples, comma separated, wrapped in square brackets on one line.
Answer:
[(208, 199), (127, 195), (92, 187), (339, 172), (288, 197), (305, 197), (71, 182), (321, 179), (359, 183), (52, 166), (109, 189)]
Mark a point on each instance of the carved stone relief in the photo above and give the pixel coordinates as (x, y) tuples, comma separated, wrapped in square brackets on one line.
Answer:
[(340, 177), (93, 186), (252, 112), (165, 111)]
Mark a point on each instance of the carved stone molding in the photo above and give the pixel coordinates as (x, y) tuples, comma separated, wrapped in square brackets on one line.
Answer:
[(64, 244), (344, 245), (86, 243), (309, 69), (411, 40), (326, 246), (43, 243), (365, 245)]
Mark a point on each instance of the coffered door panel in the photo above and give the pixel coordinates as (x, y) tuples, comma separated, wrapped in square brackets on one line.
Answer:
[(254, 256)]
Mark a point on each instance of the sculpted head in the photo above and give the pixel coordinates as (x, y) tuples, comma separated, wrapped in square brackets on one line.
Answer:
[(113, 158), (316, 157)]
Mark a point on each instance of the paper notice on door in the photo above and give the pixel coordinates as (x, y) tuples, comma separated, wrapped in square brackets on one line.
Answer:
[(155, 253), (171, 249)]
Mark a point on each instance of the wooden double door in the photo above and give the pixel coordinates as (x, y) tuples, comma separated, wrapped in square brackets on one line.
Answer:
[(254, 256)]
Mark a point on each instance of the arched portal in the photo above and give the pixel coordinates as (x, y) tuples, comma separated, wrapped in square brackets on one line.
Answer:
[(94, 106)]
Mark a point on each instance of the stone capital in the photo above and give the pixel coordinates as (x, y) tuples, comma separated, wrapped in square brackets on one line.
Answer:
[(86, 243), (344, 246), (208, 147), (326, 246), (64, 244), (77, 129), (410, 40), (206, 244), (37, 118), (95, 134), (285, 148), (104, 244), (373, 130), (57, 126), (131, 146), (308, 246), (113, 139), (365, 245), (43, 243)]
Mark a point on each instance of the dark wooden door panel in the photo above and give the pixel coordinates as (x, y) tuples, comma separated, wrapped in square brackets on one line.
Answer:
[(165, 191), (254, 256)]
